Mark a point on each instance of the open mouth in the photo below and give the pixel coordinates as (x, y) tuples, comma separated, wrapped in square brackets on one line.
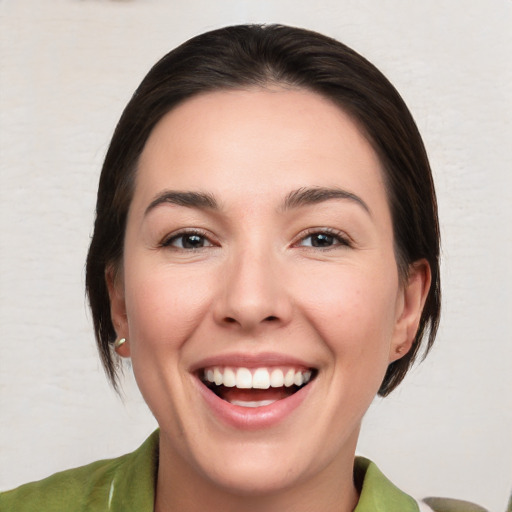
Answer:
[(255, 387)]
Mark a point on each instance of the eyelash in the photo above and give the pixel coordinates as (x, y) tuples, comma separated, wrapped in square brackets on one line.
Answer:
[(339, 238)]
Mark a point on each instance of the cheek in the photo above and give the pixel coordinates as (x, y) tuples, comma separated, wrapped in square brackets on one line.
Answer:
[(164, 310), (164, 307), (354, 312)]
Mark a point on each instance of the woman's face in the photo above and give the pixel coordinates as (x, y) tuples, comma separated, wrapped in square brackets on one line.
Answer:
[(259, 254)]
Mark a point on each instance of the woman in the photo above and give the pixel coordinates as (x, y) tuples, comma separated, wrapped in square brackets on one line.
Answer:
[(266, 251)]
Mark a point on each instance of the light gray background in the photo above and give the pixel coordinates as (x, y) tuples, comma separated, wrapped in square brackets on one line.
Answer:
[(67, 69)]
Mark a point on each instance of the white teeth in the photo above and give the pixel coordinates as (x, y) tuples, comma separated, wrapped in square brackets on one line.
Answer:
[(228, 379), (261, 379), (243, 378), (277, 378), (257, 378), (259, 403), (217, 377), (289, 378)]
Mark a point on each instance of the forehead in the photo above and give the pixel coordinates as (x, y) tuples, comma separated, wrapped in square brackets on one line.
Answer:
[(262, 141)]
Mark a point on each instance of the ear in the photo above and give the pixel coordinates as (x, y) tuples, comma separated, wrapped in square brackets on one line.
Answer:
[(409, 308), (115, 285)]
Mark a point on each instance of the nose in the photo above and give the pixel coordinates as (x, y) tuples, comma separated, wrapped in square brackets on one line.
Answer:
[(253, 293)]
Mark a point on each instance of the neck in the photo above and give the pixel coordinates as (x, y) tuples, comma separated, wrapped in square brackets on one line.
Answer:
[(181, 487)]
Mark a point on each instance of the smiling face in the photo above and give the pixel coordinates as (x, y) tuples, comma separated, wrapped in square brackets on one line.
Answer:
[(259, 290)]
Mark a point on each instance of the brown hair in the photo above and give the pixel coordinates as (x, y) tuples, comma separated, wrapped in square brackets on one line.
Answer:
[(255, 55)]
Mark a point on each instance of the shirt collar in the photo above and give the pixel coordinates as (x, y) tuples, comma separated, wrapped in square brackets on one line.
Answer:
[(377, 493)]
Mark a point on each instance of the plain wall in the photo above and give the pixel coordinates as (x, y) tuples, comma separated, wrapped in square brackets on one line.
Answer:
[(67, 69)]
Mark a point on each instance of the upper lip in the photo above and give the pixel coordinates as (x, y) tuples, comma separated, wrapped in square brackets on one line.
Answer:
[(259, 360)]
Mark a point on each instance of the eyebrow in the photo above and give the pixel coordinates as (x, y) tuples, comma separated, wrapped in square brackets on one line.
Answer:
[(308, 196), (200, 200), (301, 197)]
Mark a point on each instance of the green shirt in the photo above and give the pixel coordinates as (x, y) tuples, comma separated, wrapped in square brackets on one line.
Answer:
[(128, 484)]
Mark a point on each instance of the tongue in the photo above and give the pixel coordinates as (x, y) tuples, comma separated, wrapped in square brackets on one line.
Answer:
[(254, 395)]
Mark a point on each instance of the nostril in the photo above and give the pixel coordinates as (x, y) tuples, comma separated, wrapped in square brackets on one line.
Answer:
[(231, 320)]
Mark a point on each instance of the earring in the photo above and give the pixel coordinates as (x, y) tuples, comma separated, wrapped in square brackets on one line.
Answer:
[(119, 342)]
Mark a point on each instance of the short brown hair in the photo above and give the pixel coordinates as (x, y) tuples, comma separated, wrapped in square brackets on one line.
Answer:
[(258, 55)]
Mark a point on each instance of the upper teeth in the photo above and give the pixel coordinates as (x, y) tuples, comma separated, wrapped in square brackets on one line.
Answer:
[(258, 378)]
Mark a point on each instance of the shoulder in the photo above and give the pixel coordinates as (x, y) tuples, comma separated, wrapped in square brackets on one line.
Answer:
[(101, 485), (68, 490)]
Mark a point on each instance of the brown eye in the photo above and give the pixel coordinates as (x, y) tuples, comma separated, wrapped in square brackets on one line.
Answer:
[(323, 240), (188, 241)]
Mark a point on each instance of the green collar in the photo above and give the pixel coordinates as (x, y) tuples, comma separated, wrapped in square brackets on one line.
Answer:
[(135, 479), (377, 493)]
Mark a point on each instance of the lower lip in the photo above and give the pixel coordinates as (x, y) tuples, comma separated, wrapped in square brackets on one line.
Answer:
[(253, 418)]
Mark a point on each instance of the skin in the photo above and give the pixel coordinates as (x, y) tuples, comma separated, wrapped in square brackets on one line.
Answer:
[(258, 285)]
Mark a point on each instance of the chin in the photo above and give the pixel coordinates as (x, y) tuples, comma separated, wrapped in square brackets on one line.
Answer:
[(256, 478)]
